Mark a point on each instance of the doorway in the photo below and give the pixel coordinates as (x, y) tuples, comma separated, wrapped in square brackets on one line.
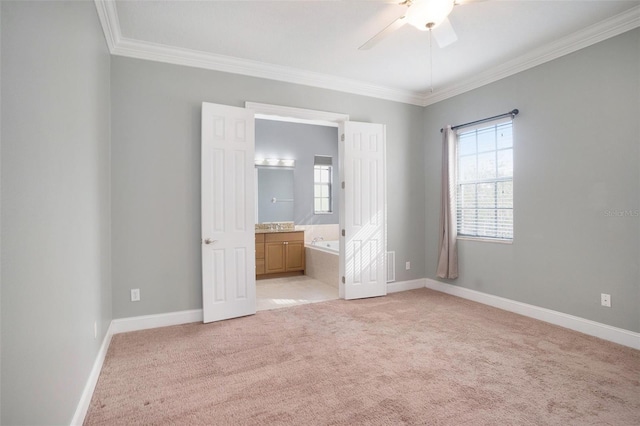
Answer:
[(297, 170), (229, 240)]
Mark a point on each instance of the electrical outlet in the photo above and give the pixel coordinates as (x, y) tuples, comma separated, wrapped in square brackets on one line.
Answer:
[(135, 294), (605, 300), (407, 266)]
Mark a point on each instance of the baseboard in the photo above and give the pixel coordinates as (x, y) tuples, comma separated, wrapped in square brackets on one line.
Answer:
[(123, 325), (395, 287), (92, 381), (592, 328)]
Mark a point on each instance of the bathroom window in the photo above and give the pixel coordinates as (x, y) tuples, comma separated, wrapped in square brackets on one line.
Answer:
[(322, 181)]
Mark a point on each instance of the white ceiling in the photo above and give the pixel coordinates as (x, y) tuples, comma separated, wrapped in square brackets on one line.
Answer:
[(316, 42)]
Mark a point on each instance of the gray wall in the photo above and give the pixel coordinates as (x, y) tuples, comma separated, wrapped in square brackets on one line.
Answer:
[(55, 206), (64, 239), (278, 139), (156, 174), (577, 142)]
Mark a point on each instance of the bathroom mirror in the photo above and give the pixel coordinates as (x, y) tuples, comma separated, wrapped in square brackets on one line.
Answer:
[(275, 194)]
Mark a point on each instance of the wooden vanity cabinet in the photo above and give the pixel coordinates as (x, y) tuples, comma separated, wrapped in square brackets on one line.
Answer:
[(260, 254), (283, 253)]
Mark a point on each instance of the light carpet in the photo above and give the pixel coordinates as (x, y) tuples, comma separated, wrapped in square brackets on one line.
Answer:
[(415, 357)]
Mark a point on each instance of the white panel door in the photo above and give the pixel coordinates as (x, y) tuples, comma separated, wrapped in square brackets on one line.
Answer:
[(363, 210), (228, 223)]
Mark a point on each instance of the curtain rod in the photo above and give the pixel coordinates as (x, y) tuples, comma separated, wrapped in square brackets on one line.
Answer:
[(506, 114)]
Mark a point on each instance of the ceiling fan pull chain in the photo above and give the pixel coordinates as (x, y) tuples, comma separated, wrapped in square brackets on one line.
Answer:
[(430, 63)]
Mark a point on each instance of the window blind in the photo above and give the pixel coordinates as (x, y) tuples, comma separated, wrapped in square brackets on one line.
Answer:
[(484, 180), (322, 160)]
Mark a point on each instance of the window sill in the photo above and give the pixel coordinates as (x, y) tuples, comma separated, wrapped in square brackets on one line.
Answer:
[(484, 240), (322, 212)]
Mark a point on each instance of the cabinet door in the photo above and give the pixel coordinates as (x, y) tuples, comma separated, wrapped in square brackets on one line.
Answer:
[(295, 256), (274, 257)]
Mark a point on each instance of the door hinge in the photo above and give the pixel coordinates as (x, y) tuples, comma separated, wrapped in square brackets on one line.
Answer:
[(342, 184), (343, 233), (344, 281), (342, 137)]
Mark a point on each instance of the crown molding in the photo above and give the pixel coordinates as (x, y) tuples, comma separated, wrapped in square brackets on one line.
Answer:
[(122, 46), (192, 58), (108, 16), (606, 29)]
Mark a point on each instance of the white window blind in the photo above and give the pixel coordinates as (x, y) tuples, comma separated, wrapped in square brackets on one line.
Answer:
[(485, 181), (322, 178)]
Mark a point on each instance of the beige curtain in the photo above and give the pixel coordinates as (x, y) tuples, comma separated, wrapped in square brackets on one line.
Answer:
[(448, 248)]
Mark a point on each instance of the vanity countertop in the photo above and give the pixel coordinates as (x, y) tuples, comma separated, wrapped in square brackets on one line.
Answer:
[(274, 231)]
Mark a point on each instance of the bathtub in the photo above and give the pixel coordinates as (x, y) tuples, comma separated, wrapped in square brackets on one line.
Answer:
[(322, 260), (328, 246)]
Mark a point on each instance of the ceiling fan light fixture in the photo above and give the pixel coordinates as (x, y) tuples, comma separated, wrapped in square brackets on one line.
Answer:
[(428, 14)]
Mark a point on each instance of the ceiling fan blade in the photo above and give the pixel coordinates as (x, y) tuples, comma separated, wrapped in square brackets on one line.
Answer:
[(382, 34), (444, 34), (461, 2)]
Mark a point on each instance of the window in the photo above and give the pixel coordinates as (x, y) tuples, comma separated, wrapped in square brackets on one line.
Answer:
[(485, 181), (322, 178)]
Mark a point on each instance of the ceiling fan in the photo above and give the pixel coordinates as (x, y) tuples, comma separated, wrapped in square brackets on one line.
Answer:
[(425, 15)]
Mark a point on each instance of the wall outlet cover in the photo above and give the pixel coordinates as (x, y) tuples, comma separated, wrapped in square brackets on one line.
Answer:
[(135, 294), (605, 300)]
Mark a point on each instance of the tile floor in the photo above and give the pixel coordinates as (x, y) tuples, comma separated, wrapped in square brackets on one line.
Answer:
[(282, 292)]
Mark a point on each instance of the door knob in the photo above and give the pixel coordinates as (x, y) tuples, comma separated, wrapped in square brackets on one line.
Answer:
[(209, 241)]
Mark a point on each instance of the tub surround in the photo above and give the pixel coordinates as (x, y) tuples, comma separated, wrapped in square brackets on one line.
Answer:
[(322, 265), (330, 232), (329, 246)]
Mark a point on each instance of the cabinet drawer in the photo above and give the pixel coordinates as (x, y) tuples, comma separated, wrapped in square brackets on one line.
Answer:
[(259, 266), (259, 238), (284, 236)]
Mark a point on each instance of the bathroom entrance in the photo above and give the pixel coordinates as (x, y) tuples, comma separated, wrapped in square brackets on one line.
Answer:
[(297, 209), (229, 289)]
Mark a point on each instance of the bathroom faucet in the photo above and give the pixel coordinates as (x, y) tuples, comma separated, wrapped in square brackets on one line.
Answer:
[(316, 239)]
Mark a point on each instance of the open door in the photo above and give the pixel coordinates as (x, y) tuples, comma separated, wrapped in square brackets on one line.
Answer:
[(228, 223), (363, 210)]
